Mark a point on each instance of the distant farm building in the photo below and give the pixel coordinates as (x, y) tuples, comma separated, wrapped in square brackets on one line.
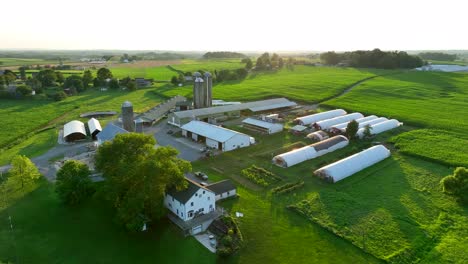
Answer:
[(262, 126), (184, 105), (216, 137), (311, 119), (74, 130), (156, 113), (297, 156), (94, 127), (352, 164), (212, 114), (298, 129), (109, 133), (318, 135), (142, 82)]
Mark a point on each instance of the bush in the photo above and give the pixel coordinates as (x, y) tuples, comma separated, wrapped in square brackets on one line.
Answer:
[(289, 187), (260, 175), (224, 252), (59, 96), (73, 184), (457, 184)]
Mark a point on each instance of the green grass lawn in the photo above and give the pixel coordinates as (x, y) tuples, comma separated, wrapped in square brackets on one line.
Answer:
[(162, 73), (209, 65), (426, 99), (304, 83), (434, 145), (25, 61), (45, 231)]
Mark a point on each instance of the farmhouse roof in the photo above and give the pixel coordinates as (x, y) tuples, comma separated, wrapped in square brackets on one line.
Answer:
[(253, 106), (185, 195), (221, 186)]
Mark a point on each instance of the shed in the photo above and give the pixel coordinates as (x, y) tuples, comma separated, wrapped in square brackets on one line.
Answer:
[(380, 127), (318, 135), (223, 189), (262, 126), (74, 130), (328, 123), (216, 137), (94, 127), (297, 156), (298, 129), (311, 119), (348, 166), (109, 133)]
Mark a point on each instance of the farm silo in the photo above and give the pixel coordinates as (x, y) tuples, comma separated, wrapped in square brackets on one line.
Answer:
[(198, 91), (127, 117), (208, 89)]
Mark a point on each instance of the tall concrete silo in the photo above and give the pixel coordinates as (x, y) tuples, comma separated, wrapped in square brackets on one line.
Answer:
[(127, 117), (198, 91), (208, 89)]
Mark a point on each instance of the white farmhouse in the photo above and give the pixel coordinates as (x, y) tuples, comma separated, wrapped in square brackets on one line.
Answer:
[(216, 137), (194, 201)]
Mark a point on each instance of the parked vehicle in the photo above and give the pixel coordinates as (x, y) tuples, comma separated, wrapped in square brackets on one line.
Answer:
[(201, 175)]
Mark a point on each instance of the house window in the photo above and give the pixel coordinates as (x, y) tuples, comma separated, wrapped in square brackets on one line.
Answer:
[(190, 213), (202, 209), (196, 194), (211, 206), (181, 214), (208, 198), (228, 193), (170, 205), (177, 211), (203, 192), (172, 198), (191, 204)]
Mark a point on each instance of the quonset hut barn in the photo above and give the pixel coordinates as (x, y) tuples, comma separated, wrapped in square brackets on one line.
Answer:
[(94, 127), (328, 123), (359, 120), (318, 135), (74, 130), (297, 156), (311, 119), (348, 166), (380, 127)]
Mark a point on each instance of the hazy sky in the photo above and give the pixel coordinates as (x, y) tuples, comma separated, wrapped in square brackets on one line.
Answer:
[(234, 25)]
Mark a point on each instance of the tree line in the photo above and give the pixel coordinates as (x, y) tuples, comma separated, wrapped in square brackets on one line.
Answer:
[(439, 56), (223, 55), (373, 59)]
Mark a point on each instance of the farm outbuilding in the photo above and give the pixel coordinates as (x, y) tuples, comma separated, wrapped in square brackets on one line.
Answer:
[(262, 126), (94, 127), (361, 124), (109, 133), (311, 119), (297, 156), (74, 130), (328, 123), (216, 137), (226, 111), (298, 129), (359, 120), (223, 189), (380, 127), (318, 135), (348, 166)]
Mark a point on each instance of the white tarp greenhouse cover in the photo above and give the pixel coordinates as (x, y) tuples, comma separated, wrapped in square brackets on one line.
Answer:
[(310, 119), (328, 123)]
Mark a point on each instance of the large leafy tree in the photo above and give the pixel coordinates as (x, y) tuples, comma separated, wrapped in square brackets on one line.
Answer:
[(74, 81), (137, 176), (73, 184), (87, 78), (23, 170), (47, 77), (457, 184), (103, 74)]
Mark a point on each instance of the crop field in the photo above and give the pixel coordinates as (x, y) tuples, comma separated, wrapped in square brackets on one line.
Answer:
[(434, 145), (304, 83), (426, 99), (5, 62), (161, 73), (209, 65)]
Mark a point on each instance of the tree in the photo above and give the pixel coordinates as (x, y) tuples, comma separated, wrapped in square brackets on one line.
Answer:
[(174, 80), (457, 184), (59, 96), (23, 170), (9, 76), (330, 58), (60, 78), (367, 132), (35, 84), (137, 176), (131, 85), (24, 90), (87, 78), (22, 71), (47, 77), (73, 184), (114, 84), (248, 63), (74, 81), (352, 129), (103, 74)]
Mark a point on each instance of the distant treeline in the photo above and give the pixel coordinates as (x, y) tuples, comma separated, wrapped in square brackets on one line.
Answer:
[(437, 56), (373, 59), (223, 55)]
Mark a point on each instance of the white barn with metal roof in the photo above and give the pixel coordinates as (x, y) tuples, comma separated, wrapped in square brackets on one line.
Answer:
[(216, 137), (262, 126), (74, 130), (348, 166), (311, 119)]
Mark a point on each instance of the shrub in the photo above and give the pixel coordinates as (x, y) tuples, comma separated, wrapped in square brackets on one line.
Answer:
[(260, 175), (457, 184), (289, 187), (59, 96)]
